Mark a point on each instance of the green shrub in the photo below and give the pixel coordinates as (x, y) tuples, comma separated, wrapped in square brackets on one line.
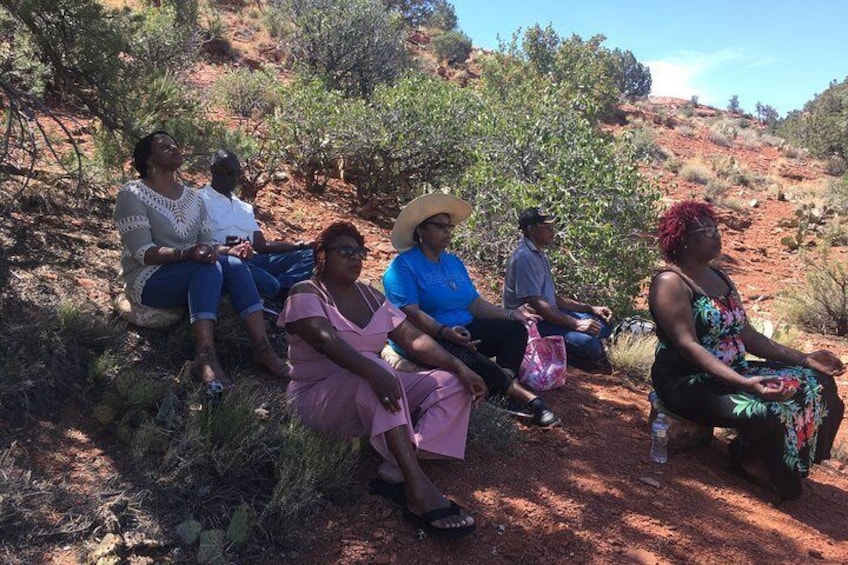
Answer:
[(644, 145), (821, 305), (354, 45), (443, 16), (313, 127), (422, 137), (820, 124), (246, 92), (167, 39), (452, 46), (533, 151), (836, 195)]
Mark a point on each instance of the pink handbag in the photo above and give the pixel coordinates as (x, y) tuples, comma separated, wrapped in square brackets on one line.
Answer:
[(543, 366)]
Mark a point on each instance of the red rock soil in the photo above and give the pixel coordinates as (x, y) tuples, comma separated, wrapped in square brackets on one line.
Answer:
[(585, 492)]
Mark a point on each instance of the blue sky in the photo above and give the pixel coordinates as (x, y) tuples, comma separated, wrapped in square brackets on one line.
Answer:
[(777, 52)]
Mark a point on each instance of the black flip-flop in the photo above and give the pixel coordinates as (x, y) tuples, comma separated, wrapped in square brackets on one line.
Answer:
[(393, 492), (425, 522)]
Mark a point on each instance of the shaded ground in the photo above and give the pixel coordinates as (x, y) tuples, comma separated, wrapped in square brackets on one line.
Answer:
[(585, 492)]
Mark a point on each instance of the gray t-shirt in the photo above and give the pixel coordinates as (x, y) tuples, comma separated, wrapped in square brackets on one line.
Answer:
[(528, 273), (146, 219)]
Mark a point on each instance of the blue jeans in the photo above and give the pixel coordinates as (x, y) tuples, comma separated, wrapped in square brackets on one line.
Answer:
[(201, 284), (578, 344), (275, 272)]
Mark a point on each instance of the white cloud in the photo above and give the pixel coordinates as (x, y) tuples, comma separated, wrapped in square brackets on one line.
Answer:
[(683, 74)]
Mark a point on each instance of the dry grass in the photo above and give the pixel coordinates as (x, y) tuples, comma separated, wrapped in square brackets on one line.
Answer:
[(633, 355), (695, 171)]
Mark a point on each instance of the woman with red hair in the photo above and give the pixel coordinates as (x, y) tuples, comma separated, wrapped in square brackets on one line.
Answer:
[(786, 408)]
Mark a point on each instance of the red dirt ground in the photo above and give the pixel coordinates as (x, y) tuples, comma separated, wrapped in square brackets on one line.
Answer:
[(583, 493)]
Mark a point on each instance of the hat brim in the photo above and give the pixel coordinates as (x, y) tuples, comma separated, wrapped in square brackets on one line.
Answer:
[(425, 207)]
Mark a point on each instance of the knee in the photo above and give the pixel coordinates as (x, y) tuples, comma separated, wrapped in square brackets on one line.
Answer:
[(518, 332)]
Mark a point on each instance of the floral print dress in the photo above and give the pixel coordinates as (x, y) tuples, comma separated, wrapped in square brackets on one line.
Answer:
[(789, 436)]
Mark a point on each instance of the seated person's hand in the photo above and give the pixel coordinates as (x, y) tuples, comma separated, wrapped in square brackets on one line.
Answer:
[(526, 315), (243, 250), (771, 388), (460, 336), (387, 388), (202, 253), (588, 326), (603, 313), (473, 383), (825, 362)]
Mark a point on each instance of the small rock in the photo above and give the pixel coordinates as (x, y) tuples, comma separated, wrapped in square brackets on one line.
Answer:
[(816, 554), (754, 203), (652, 482)]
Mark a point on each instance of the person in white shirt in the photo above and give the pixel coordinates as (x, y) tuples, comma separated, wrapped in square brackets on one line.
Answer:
[(275, 265)]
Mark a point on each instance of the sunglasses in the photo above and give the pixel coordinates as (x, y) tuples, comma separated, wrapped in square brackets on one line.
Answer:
[(348, 251), (709, 231), (444, 226)]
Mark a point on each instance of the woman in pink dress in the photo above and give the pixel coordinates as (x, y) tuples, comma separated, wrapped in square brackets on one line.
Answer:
[(340, 386)]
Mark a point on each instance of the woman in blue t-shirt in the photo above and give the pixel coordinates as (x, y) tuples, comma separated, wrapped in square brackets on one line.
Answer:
[(433, 288)]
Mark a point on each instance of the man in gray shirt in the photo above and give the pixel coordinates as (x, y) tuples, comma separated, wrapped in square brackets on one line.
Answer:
[(529, 280)]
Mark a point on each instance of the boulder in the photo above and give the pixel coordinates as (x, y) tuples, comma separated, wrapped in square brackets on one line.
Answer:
[(146, 316), (682, 433)]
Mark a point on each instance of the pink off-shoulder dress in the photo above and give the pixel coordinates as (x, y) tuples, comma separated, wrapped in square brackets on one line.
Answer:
[(333, 400)]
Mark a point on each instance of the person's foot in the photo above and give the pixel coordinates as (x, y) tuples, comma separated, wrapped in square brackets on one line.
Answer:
[(542, 415), (425, 499), (265, 357), (208, 368)]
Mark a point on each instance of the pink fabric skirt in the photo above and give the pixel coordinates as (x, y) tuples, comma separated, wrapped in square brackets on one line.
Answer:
[(435, 407)]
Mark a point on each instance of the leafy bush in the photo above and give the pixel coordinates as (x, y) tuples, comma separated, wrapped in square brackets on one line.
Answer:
[(644, 145), (244, 91), (533, 151), (820, 125), (168, 38), (589, 77), (821, 305), (733, 105), (422, 137), (443, 16), (452, 46), (354, 45), (313, 127)]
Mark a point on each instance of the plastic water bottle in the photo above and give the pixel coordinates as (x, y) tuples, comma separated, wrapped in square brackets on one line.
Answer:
[(659, 439)]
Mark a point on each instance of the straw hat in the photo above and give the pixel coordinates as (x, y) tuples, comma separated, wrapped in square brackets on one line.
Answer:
[(425, 207)]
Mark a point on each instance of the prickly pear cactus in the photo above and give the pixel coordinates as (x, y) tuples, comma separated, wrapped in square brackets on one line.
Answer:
[(104, 414), (145, 393), (122, 383), (240, 524), (211, 550), (189, 532)]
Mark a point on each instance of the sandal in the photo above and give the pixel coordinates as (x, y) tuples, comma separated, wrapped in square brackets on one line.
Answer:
[(393, 492), (425, 522)]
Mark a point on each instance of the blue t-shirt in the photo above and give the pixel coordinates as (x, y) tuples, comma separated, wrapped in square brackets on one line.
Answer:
[(442, 288)]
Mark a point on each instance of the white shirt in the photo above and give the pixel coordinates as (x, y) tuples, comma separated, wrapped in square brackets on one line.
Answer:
[(228, 215)]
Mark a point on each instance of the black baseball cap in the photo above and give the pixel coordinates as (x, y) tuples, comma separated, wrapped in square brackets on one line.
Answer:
[(534, 216)]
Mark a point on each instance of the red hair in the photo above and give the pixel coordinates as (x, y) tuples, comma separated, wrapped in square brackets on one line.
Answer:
[(676, 222), (331, 232)]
